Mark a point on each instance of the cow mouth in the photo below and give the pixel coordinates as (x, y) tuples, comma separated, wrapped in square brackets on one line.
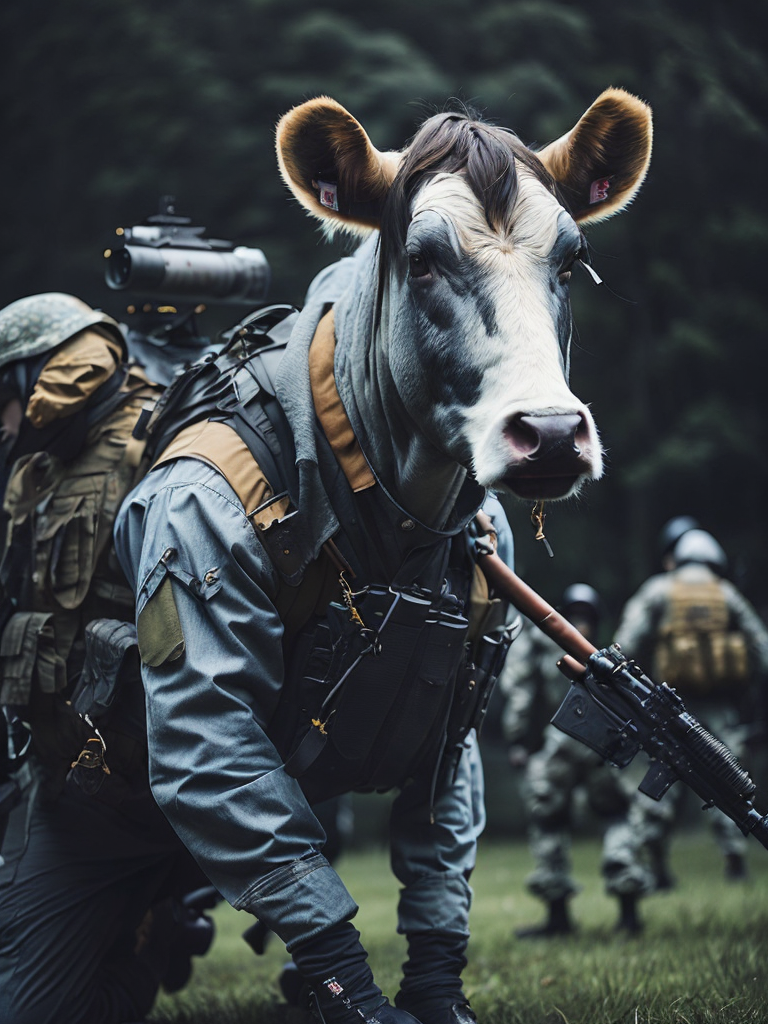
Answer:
[(539, 488)]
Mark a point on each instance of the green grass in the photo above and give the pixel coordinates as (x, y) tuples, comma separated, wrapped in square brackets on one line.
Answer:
[(701, 959)]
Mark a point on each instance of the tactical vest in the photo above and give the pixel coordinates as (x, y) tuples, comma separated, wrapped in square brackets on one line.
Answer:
[(59, 570), (696, 652), (383, 682)]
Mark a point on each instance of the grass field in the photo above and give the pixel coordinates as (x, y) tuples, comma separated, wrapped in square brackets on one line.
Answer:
[(701, 959)]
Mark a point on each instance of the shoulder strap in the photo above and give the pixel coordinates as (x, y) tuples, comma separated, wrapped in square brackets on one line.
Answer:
[(207, 386)]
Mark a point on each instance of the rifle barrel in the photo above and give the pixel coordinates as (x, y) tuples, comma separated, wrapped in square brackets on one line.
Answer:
[(509, 585)]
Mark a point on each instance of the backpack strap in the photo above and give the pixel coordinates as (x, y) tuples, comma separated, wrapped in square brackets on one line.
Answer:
[(220, 446)]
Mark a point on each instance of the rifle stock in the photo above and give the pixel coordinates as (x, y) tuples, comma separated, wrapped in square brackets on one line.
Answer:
[(615, 709)]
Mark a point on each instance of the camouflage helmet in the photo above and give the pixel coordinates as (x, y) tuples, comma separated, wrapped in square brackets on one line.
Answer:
[(39, 323)]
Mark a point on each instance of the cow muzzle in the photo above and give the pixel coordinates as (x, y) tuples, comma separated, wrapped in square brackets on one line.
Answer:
[(548, 454)]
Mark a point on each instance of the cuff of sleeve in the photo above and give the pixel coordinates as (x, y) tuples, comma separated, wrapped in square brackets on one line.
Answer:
[(299, 900)]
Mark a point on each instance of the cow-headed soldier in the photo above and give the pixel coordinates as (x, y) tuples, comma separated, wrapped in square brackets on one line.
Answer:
[(310, 611)]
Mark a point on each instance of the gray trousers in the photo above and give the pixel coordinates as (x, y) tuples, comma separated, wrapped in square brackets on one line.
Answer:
[(76, 882)]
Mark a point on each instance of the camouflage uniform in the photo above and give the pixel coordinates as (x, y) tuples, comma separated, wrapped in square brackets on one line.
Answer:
[(71, 468), (729, 713), (534, 688)]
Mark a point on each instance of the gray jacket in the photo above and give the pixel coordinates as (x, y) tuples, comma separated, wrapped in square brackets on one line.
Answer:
[(213, 768)]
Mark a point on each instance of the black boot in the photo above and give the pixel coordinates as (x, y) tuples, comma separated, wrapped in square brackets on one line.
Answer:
[(193, 935), (629, 921), (735, 867), (440, 1011), (431, 989), (558, 923), (340, 985)]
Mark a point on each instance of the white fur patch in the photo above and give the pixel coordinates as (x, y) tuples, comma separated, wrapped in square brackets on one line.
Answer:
[(520, 363)]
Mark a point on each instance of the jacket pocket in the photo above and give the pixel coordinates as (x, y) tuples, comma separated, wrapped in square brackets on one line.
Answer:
[(160, 635)]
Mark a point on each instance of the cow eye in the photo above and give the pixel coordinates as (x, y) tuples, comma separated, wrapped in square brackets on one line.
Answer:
[(564, 274), (417, 265)]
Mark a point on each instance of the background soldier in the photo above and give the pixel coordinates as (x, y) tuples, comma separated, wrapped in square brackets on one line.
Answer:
[(69, 405), (693, 629), (556, 768)]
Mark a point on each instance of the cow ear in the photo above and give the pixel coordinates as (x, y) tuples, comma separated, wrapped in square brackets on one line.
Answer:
[(330, 165), (601, 163)]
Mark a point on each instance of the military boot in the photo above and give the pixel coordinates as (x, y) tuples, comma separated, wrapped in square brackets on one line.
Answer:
[(339, 983), (431, 989), (558, 922), (629, 921), (735, 867)]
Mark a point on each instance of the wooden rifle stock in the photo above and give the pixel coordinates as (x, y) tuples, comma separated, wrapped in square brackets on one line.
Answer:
[(508, 584)]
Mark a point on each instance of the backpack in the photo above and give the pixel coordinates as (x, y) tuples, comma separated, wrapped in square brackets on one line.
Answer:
[(696, 652)]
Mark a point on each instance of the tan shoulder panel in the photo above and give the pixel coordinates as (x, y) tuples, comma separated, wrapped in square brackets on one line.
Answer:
[(221, 447)]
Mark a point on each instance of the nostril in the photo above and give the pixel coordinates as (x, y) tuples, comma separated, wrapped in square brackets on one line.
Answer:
[(522, 436), (581, 436), (553, 435)]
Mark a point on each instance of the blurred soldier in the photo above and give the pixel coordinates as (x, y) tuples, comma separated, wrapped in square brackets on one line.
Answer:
[(693, 629), (556, 768), (68, 403)]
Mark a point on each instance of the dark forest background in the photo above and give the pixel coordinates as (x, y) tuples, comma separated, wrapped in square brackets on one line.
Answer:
[(107, 106)]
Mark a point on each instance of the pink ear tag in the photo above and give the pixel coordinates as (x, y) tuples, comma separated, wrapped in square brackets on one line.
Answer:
[(329, 195), (599, 189)]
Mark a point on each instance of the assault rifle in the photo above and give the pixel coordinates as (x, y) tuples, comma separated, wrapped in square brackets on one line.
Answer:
[(615, 709)]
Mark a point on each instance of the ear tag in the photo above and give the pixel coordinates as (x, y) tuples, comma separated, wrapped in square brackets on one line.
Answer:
[(329, 195), (596, 279), (599, 189)]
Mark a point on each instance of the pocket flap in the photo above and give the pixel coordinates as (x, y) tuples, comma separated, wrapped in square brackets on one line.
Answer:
[(159, 630)]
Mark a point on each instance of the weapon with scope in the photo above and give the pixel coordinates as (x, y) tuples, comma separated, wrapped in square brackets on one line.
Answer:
[(167, 256), (617, 710)]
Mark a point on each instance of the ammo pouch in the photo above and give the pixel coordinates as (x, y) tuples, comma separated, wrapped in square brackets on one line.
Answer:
[(28, 659), (365, 708), (109, 699)]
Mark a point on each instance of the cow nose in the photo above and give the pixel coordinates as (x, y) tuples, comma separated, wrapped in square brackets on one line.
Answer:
[(546, 438)]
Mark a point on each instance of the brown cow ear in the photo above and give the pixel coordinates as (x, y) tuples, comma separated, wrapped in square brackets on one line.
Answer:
[(601, 163), (330, 165)]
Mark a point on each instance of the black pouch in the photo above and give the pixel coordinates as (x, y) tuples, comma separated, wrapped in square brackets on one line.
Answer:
[(473, 692), (28, 658), (109, 699), (385, 709), (111, 654)]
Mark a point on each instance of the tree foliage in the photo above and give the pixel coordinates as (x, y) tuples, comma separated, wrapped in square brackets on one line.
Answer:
[(106, 107)]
